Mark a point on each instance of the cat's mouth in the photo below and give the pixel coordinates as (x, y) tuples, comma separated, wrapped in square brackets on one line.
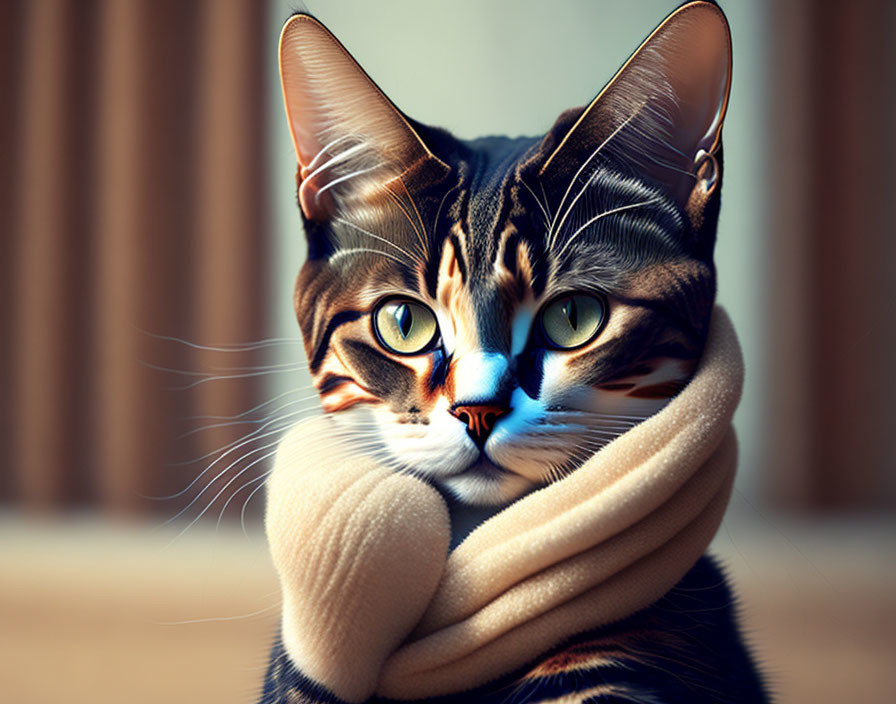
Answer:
[(484, 467), (484, 482)]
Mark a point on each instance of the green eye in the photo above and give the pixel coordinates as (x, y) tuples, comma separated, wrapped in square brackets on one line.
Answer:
[(572, 320), (405, 326)]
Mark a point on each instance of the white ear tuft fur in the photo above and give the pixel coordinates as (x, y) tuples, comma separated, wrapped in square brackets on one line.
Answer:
[(348, 136), (663, 111)]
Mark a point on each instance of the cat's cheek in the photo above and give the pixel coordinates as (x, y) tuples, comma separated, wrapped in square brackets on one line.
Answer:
[(440, 448), (513, 444), (531, 459)]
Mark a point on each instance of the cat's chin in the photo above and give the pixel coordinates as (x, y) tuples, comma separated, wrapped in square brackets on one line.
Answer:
[(484, 483)]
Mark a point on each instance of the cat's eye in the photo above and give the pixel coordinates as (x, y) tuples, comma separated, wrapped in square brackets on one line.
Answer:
[(572, 320), (405, 326)]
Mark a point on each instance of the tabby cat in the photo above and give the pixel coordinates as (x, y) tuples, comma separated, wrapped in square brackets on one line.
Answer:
[(486, 314)]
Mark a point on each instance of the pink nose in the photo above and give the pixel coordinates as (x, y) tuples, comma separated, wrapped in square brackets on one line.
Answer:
[(480, 419)]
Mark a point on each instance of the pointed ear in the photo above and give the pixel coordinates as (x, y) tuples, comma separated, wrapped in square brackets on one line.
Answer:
[(350, 140), (661, 114)]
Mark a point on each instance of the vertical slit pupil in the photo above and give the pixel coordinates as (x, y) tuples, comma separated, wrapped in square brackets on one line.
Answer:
[(572, 314), (404, 318)]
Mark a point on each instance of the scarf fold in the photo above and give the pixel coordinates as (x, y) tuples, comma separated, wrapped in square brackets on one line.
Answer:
[(373, 602)]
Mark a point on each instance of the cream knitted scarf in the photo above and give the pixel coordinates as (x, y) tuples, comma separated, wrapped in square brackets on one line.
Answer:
[(374, 603)]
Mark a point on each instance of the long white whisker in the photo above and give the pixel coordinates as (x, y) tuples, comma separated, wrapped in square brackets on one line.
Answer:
[(220, 474), (246, 503), (340, 157), (189, 372), (554, 230), (396, 199), (601, 414), (260, 367), (232, 445), (412, 257), (327, 147), (236, 347), (344, 252), (604, 214), (274, 413), (230, 498), (254, 436), (254, 408), (254, 421), (544, 213), (544, 195), (600, 423), (265, 610), (423, 242), (341, 179), (222, 490), (223, 377), (435, 221)]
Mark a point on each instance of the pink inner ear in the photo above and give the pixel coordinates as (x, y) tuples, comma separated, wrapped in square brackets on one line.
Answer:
[(698, 69), (315, 205), (342, 124), (663, 106)]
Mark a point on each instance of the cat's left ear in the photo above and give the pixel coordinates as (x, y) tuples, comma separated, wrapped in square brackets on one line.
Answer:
[(353, 145), (661, 115)]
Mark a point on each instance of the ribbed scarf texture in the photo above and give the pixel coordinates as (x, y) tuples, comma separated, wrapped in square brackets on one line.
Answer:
[(373, 602)]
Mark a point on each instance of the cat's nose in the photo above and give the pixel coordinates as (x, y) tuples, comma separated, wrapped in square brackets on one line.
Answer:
[(480, 419)]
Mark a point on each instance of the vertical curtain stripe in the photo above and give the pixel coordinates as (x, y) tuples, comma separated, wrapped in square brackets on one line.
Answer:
[(229, 197), (12, 16), (122, 402), (43, 428), (834, 288), (132, 206)]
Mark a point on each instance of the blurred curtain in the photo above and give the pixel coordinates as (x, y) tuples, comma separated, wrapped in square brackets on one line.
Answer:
[(833, 250), (132, 203)]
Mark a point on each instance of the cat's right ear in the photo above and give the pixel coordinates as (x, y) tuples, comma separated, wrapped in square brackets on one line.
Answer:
[(661, 115), (353, 145)]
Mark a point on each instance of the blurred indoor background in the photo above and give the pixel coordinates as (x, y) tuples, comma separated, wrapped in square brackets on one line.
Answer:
[(149, 245)]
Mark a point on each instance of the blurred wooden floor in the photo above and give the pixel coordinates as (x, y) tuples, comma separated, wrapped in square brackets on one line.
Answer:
[(100, 613)]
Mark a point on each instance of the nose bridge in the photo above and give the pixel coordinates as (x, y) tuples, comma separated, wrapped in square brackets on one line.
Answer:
[(480, 369), (482, 386), (481, 377)]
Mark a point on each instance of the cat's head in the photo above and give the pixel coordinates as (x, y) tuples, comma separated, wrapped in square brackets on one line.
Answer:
[(489, 313)]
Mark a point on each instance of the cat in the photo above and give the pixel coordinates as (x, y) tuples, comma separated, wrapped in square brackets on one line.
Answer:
[(487, 314)]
